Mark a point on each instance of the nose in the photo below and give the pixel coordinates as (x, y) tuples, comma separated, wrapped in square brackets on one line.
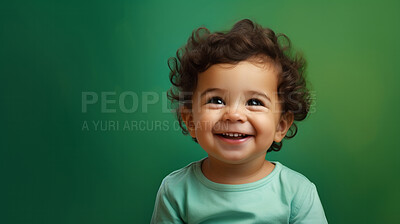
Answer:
[(234, 114)]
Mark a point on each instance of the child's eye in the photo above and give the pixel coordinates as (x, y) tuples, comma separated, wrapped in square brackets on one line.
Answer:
[(216, 100), (254, 102)]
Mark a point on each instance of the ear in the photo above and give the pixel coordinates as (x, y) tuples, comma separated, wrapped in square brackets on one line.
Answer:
[(187, 117), (285, 123)]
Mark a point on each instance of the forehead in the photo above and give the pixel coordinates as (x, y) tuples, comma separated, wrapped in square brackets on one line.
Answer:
[(245, 76)]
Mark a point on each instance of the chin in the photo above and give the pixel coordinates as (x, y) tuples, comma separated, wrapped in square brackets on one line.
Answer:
[(234, 160)]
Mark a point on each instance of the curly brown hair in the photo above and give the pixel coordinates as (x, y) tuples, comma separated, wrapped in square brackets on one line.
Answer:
[(245, 40)]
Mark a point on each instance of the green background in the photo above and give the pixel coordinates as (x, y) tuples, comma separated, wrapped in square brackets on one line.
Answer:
[(52, 171)]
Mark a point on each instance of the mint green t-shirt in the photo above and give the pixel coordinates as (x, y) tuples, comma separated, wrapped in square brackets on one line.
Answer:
[(284, 196)]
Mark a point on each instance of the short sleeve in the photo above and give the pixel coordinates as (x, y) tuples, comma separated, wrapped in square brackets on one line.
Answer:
[(165, 211), (309, 209)]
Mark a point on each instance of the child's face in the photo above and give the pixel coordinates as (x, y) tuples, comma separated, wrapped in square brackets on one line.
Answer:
[(237, 99)]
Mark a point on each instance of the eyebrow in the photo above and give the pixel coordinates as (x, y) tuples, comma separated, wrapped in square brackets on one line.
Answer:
[(210, 90), (253, 92)]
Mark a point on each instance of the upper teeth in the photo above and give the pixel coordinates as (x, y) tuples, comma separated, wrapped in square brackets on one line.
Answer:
[(233, 134)]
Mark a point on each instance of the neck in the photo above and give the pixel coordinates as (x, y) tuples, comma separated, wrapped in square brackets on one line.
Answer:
[(225, 173)]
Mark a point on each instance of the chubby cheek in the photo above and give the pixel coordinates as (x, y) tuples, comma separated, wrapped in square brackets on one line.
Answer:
[(208, 117), (265, 128), (204, 123)]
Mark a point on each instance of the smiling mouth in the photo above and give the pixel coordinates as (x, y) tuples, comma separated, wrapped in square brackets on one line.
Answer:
[(233, 135)]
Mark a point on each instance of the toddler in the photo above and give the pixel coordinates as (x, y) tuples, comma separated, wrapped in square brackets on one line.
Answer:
[(238, 95)]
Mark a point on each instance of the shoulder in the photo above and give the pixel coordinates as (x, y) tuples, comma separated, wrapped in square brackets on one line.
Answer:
[(294, 184), (170, 201), (293, 180), (179, 178), (303, 192)]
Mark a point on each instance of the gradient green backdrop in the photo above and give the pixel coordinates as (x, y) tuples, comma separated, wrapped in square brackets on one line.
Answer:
[(52, 171)]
